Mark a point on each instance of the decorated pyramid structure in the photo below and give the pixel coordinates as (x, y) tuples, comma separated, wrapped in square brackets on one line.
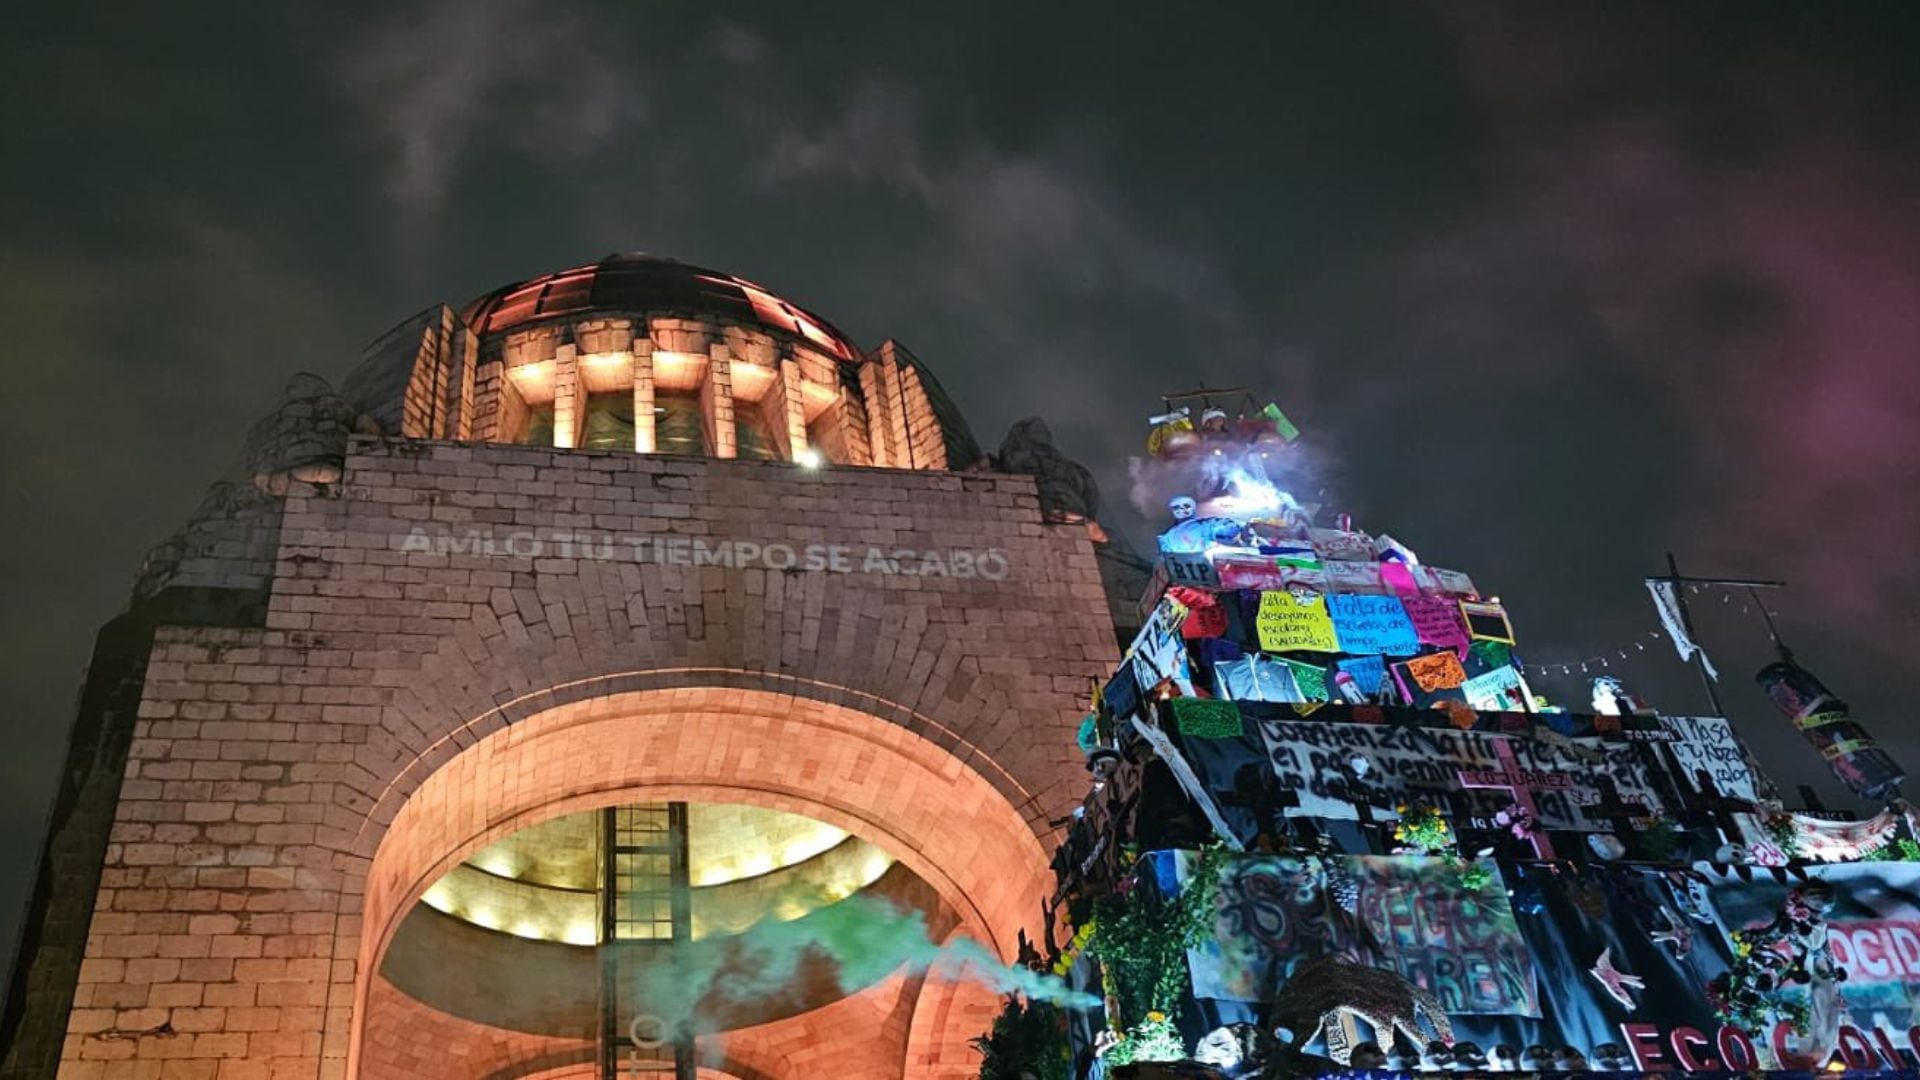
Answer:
[(1332, 829)]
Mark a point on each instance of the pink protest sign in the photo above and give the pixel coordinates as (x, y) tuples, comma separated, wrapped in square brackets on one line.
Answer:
[(1436, 621), (1396, 576)]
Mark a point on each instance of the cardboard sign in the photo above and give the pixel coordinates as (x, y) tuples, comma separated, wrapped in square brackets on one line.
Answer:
[(1453, 583), (1286, 623), (1435, 671), (1334, 545), (1372, 624), (1486, 621), (1436, 621), (1353, 577)]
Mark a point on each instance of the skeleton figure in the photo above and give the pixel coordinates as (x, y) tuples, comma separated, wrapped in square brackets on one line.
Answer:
[(1326, 989), (1609, 1055), (1367, 1055), (1468, 1058), (1182, 507), (1236, 1049)]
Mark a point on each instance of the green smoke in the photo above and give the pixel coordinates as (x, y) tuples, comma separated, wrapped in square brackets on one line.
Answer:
[(864, 937)]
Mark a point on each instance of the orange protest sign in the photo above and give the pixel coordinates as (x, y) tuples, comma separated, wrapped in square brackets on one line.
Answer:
[(1436, 671)]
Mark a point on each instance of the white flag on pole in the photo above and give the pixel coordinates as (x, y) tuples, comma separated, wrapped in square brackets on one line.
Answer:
[(1667, 602)]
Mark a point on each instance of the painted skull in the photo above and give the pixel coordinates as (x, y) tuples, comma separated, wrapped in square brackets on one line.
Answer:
[(1609, 1055), (1182, 507), (1368, 1055)]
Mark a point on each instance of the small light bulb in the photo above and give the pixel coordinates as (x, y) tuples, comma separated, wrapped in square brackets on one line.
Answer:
[(808, 458)]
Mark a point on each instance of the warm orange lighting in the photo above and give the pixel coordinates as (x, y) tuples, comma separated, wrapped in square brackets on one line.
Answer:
[(677, 370), (540, 372), (750, 381)]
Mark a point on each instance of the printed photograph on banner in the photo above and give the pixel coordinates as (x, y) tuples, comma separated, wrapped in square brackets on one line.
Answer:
[(1159, 652)]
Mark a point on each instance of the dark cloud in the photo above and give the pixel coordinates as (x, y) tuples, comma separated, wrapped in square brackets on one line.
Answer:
[(1551, 292)]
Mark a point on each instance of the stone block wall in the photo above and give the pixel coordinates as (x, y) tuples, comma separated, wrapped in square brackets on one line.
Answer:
[(447, 598)]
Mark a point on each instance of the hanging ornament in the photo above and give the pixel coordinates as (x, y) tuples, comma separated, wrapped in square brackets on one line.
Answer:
[(1677, 934), (1825, 722), (1618, 983)]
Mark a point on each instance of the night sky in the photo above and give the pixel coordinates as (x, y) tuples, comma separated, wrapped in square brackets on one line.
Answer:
[(1551, 289)]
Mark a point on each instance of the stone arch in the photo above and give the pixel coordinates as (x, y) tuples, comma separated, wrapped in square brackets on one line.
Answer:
[(638, 737)]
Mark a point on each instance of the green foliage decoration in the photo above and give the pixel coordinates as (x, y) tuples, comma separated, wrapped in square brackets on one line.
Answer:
[(1141, 940), (1425, 828), (1152, 1039), (1028, 1042)]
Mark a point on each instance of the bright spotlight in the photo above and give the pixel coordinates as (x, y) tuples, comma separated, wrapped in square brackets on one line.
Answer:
[(808, 458)]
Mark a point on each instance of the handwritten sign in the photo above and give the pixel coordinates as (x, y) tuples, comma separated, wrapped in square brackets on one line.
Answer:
[(1190, 568), (1486, 621), (1335, 545), (1353, 577), (1286, 622), (1498, 690), (1436, 621), (1373, 624), (1435, 671), (1206, 615), (1367, 673), (1707, 743), (1452, 582), (1409, 765)]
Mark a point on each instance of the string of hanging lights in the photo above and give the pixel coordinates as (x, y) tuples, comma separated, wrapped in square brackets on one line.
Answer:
[(1606, 661)]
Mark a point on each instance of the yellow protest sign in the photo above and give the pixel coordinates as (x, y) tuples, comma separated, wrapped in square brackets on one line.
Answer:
[(1287, 622)]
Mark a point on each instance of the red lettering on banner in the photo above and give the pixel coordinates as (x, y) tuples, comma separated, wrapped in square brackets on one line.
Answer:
[(1855, 1050), (1731, 1039), (1787, 1058), (1649, 1053), (1683, 1041), (1877, 950), (1884, 1043)]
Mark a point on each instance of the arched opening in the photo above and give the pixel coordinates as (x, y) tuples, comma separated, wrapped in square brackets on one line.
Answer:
[(926, 809)]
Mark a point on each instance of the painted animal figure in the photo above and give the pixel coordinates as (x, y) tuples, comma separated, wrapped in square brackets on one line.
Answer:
[(1326, 989)]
